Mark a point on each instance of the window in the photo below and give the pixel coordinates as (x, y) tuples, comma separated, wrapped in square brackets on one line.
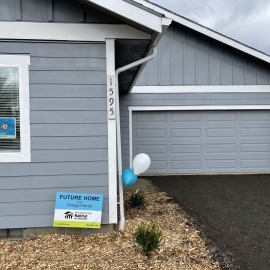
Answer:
[(14, 108)]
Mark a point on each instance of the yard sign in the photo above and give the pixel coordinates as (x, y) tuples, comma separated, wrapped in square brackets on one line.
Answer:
[(78, 210)]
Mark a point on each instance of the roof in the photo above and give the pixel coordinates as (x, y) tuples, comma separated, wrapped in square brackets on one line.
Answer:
[(145, 4), (131, 11)]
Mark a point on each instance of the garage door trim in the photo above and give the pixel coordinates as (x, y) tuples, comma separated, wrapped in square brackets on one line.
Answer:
[(185, 108)]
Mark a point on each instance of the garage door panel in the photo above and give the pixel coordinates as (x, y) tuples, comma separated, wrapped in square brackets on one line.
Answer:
[(210, 141), (158, 166), (251, 132), (221, 132), (186, 165), (254, 156), (189, 117), (186, 149), (221, 148), (255, 147), (262, 116), (221, 117), (221, 164), (152, 149), (255, 163), (151, 117), (150, 141), (151, 133), (186, 133)]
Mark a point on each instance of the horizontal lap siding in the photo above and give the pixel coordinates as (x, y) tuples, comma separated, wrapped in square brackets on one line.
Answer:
[(197, 99), (186, 57), (69, 149)]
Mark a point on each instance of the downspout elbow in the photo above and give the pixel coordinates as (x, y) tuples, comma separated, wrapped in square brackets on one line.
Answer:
[(136, 63)]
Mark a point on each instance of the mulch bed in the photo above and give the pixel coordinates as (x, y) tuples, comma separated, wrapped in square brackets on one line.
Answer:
[(182, 247)]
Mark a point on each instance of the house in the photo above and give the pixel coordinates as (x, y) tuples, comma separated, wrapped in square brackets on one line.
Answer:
[(200, 106)]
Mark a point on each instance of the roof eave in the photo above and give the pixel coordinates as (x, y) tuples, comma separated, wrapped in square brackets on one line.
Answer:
[(131, 12)]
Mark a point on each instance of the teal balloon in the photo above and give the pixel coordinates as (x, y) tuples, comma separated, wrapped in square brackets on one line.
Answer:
[(128, 177)]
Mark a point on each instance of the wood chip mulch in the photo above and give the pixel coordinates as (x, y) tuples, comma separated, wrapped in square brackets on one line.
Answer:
[(182, 247)]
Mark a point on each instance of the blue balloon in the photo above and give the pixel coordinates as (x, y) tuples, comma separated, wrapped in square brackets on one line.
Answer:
[(128, 177)]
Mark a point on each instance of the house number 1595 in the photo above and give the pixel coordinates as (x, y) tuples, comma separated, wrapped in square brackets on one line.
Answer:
[(111, 98)]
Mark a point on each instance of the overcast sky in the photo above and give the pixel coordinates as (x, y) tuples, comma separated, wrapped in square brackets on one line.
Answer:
[(247, 21)]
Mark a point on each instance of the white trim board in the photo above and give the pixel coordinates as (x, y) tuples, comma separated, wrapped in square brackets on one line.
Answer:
[(14, 59), (112, 167), (206, 31), (68, 31), (131, 109), (131, 12), (171, 89)]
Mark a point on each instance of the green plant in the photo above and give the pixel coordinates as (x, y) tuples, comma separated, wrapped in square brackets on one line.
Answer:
[(148, 236), (137, 199)]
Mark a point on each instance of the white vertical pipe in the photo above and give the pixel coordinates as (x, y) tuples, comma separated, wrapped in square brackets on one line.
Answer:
[(118, 132), (119, 156)]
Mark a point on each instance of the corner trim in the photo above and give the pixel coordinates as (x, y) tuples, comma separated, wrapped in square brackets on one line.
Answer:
[(112, 168)]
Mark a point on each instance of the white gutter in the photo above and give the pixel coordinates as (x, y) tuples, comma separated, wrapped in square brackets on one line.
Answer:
[(118, 131)]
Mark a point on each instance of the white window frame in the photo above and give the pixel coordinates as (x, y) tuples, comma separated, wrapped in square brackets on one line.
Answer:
[(22, 62)]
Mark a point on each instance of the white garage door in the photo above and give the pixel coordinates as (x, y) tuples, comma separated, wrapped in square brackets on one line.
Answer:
[(203, 141)]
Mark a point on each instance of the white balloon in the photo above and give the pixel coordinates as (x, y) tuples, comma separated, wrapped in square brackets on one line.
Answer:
[(141, 163)]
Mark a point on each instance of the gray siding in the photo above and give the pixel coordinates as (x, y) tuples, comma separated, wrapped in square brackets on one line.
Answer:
[(181, 100), (52, 11), (186, 57), (69, 150)]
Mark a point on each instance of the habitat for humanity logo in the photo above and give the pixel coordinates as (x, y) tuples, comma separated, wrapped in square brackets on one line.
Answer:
[(69, 215)]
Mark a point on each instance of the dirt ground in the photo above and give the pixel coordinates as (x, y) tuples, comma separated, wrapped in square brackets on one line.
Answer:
[(233, 211)]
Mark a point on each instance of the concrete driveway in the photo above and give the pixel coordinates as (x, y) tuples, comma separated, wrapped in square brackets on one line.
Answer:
[(233, 212)]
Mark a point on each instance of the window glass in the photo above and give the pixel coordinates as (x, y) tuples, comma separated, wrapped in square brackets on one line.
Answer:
[(9, 110)]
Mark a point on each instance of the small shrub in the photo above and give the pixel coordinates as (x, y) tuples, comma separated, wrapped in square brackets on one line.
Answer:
[(137, 199), (148, 236)]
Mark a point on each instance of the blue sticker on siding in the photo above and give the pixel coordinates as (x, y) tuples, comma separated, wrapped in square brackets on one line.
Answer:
[(7, 128)]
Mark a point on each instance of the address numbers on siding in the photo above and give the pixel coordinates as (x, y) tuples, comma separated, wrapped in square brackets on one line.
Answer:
[(111, 97)]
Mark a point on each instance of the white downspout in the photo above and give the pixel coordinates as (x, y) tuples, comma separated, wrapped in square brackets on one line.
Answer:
[(118, 131)]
